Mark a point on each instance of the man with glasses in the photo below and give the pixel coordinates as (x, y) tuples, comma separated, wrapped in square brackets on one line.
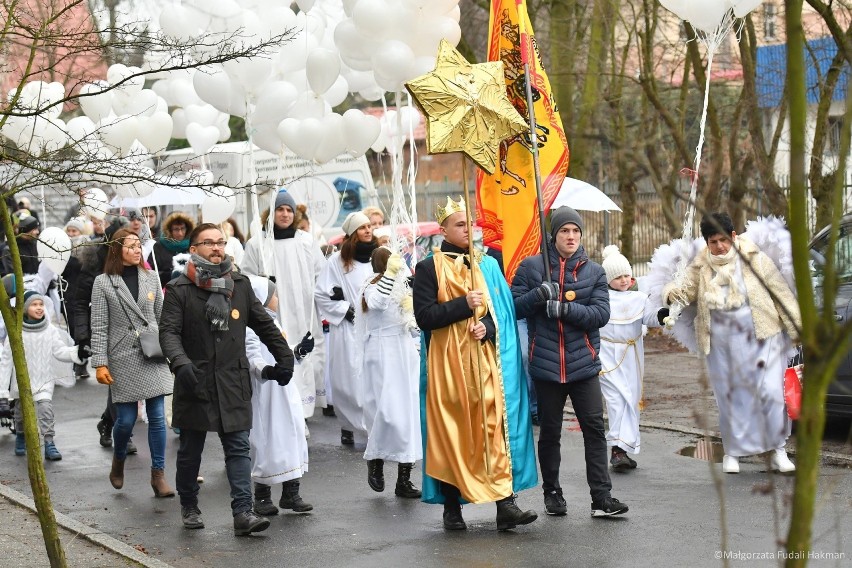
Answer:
[(203, 333)]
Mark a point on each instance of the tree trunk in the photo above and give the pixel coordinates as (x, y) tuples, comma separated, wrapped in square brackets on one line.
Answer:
[(628, 217), (13, 318)]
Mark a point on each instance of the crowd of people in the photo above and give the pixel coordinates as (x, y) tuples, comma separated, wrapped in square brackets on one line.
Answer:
[(198, 330)]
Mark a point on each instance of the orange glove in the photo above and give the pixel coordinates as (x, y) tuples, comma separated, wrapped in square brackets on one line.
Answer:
[(103, 376)]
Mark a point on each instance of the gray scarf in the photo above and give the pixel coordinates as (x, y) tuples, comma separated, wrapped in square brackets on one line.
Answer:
[(217, 279)]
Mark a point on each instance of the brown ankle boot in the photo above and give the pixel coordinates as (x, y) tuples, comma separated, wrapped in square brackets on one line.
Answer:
[(116, 474), (160, 485)]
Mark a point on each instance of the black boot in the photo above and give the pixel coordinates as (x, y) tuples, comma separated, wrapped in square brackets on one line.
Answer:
[(290, 498), (376, 475), (453, 520), (263, 500), (105, 430), (509, 515), (347, 438), (329, 411), (404, 487), (248, 522)]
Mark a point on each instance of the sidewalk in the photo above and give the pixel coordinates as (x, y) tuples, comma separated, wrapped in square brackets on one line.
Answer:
[(23, 546)]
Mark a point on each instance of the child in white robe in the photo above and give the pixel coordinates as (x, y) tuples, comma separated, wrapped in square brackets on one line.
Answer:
[(623, 357), (279, 451), (391, 371)]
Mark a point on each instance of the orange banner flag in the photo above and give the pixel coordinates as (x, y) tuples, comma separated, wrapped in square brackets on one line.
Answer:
[(506, 202)]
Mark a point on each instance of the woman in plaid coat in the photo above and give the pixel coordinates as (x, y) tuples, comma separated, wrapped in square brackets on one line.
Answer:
[(127, 299)]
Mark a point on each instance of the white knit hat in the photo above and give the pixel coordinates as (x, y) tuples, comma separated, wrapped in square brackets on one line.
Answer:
[(354, 221), (615, 264)]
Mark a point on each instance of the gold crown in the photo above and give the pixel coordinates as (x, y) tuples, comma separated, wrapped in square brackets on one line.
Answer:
[(451, 207)]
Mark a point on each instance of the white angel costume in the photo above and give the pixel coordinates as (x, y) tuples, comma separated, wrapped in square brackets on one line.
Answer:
[(623, 365)]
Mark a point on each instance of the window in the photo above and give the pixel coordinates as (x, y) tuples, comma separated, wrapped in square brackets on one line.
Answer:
[(835, 125), (769, 20)]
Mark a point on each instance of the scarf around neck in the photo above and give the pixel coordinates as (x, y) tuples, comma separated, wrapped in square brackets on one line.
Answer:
[(724, 274), (363, 251), (287, 233), (174, 246), (217, 279), (35, 325)]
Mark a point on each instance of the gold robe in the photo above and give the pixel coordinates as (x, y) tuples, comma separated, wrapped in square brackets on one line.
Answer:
[(465, 408)]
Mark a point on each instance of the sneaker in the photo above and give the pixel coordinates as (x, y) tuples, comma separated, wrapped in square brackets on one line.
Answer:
[(781, 463), (131, 447), (20, 444), (51, 453), (554, 503), (106, 433), (620, 461), (608, 507), (730, 464), (192, 517)]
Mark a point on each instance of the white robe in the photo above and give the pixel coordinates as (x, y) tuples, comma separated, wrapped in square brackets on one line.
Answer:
[(296, 263), (344, 348), (279, 451), (391, 380), (747, 377), (623, 365)]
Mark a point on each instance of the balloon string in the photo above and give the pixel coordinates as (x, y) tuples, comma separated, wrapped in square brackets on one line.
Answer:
[(412, 175)]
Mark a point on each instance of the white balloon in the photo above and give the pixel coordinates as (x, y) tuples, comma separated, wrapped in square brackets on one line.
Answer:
[(371, 17), (360, 131), (224, 132), (213, 86), (96, 106), (119, 132), (358, 80), (251, 72), (179, 123), (95, 203), (323, 69), (201, 138), (337, 93), (80, 127), (266, 137), (380, 144), (155, 131), (372, 94), (143, 103), (743, 7), (174, 21), (333, 141), (305, 5), (294, 53), (308, 134), (54, 248), (394, 60), (308, 105), (274, 103), (205, 115), (219, 203)]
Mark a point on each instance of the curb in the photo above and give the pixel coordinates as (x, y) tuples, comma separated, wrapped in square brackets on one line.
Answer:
[(92, 535), (832, 458)]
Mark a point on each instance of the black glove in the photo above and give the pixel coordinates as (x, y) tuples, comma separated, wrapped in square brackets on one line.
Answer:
[(280, 375), (83, 351), (336, 293), (305, 346), (188, 374), (350, 315), (547, 291), (662, 315), (557, 310)]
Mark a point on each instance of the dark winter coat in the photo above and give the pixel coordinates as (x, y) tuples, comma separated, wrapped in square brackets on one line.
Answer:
[(28, 251), (221, 400), (563, 350), (92, 257)]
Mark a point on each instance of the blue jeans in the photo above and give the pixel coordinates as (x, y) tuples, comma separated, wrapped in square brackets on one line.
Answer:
[(125, 419), (237, 466)]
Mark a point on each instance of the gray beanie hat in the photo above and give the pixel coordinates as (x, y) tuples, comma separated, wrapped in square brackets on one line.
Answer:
[(562, 216), (284, 198)]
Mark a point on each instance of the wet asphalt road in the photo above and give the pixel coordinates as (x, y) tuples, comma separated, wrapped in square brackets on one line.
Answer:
[(674, 520)]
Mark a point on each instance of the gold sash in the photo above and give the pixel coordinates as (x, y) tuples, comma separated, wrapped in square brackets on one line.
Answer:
[(456, 443)]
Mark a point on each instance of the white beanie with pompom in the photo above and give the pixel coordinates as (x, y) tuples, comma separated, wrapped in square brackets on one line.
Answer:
[(615, 264)]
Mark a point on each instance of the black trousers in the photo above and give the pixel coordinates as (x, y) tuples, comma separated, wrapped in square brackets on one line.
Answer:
[(587, 400)]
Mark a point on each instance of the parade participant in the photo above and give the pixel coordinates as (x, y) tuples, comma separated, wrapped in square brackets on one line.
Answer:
[(127, 298), (295, 260), (744, 309), (474, 404), (623, 357), (391, 374), (43, 343), (236, 241), (202, 334), (279, 451), (27, 228), (337, 293), (173, 241), (74, 228), (564, 315), (375, 215)]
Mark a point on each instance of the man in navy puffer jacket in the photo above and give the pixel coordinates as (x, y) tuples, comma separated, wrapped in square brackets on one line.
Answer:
[(564, 316)]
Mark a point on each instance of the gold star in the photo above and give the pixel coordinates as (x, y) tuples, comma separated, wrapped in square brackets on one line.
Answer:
[(466, 107)]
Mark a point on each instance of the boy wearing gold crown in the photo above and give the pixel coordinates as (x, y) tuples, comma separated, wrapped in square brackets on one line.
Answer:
[(477, 433)]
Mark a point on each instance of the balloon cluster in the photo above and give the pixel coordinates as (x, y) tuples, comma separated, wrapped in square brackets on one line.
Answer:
[(44, 132), (706, 15)]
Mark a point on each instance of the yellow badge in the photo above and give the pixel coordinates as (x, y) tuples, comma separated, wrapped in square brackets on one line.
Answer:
[(151, 296), (235, 314), (570, 295)]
